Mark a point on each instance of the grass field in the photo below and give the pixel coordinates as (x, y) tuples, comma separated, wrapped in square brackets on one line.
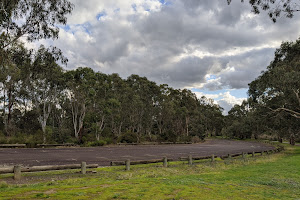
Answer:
[(275, 176)]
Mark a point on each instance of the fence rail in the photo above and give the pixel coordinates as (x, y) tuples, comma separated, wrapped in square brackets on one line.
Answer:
[(12, 145), (83, 166)]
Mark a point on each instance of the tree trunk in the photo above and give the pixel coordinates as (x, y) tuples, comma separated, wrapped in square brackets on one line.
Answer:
[(292, 139)]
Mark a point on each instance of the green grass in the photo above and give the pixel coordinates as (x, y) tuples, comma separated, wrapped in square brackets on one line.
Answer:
[(274, 176)]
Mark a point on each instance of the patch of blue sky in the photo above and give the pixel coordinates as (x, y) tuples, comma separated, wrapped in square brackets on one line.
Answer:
[(239, 93), (67, 28), (211, 77), (164, 2), (134, 7), (100, 15), (86, 27)]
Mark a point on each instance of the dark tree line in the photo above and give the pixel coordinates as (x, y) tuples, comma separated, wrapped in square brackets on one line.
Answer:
[(39, 98)]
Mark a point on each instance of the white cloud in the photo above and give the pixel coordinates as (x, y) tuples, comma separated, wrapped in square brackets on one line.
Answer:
[(180, 43), (228, 101)]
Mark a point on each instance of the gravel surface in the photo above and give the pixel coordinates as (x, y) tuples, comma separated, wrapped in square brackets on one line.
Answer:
[(103, 155)]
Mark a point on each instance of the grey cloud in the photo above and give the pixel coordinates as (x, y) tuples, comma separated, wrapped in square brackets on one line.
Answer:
[(147, 45), (238, 71), (186, 72)]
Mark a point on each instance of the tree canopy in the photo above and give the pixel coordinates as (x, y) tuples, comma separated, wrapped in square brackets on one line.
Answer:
[(274, 7), (273, 106), (32, 19)]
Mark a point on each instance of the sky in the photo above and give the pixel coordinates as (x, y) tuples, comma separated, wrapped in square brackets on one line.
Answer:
[(207, 46)]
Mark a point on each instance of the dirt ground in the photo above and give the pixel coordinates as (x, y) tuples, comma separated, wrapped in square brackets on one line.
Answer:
[(104, 155)]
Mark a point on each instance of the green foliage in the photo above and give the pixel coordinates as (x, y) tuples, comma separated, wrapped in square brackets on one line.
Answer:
[(84, 106), (274, 7), (275, 93), (128, 137), (96, 143), (33, 19), (3, 184)]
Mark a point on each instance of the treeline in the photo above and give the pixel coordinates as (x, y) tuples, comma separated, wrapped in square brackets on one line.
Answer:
[(43, 102), (273, 108), (40, 102)]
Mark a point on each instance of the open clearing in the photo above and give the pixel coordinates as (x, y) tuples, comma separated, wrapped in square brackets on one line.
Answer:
[(103, 155)]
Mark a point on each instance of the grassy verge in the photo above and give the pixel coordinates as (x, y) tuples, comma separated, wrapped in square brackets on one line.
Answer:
[(274, 176)]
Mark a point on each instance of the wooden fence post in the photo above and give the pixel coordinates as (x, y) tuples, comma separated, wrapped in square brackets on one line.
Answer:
[(244, 156), (17, 172), (83, 167), (253, 153), (190, 160), (127, 165), (165, 161), (212, 158)]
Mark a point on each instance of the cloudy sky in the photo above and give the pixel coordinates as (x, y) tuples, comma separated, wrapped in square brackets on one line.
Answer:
[(207, 46)]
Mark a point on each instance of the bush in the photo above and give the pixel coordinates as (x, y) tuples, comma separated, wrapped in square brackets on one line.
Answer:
[(3, 140), (195, 139), (168, 136), (98, 143), (108, 140), (128, 137), (184, 139)]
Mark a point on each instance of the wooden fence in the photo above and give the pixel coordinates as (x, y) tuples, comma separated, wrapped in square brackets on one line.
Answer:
[(190, 158), (18, 169), (38, 145), (83, 166)]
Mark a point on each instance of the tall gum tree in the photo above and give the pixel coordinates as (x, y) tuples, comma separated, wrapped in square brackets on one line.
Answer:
[(46, 83), (277, 88), (32, 20)]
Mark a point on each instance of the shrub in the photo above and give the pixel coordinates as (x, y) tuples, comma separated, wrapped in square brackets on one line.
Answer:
[(128, 137), (185, 139), (168, 136), (108, 140), (3, 140), (98, 143), (196, 139), (150, 138)]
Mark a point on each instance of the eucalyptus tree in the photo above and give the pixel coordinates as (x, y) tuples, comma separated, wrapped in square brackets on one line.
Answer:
[(118, 94), (163, 109), (210, 116), (11, 80), (97, 113), (189, 104), (276, 91), (80, 90), (274, 7), (32, 19), (145, 94), (46, 82)]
